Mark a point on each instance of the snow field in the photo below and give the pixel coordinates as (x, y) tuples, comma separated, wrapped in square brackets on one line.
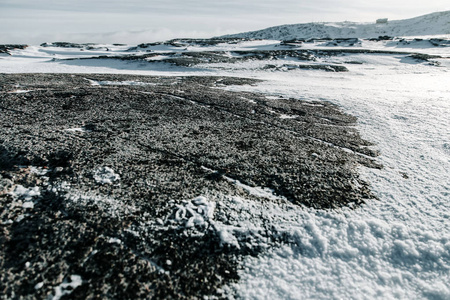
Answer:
[(397, 247)]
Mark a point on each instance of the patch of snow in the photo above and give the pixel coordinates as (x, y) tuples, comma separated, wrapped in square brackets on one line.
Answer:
[(194, 213), (28, 204), (232, 219), (92, 253), (157, 58), (312, 104), (39, 285), (105, 175), (77, 129), (19, 91), (135, 233), (114, 241)]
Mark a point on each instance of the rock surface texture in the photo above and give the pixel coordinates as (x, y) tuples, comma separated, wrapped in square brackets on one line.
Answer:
[(116, 186)]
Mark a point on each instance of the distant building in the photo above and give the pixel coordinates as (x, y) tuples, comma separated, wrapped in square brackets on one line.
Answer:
[(382, 21)]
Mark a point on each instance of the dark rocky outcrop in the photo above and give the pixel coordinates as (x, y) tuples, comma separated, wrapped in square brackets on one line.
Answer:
[(8, 47), (168, 140)]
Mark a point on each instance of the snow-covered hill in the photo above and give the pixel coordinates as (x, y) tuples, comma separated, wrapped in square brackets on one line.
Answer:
[(432, 24)]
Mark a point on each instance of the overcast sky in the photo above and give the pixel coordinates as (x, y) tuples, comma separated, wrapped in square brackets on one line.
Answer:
[(137, 21)]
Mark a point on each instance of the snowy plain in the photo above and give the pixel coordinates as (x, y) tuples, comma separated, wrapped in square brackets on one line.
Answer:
[(397, 247)]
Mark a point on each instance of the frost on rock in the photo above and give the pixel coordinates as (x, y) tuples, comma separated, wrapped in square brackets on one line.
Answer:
[(105, 175)]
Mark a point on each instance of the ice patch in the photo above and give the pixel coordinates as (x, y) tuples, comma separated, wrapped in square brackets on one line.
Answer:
[(105, 175)]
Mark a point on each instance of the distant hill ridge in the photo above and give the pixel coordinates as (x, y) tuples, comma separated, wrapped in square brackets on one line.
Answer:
[(431, 24)]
